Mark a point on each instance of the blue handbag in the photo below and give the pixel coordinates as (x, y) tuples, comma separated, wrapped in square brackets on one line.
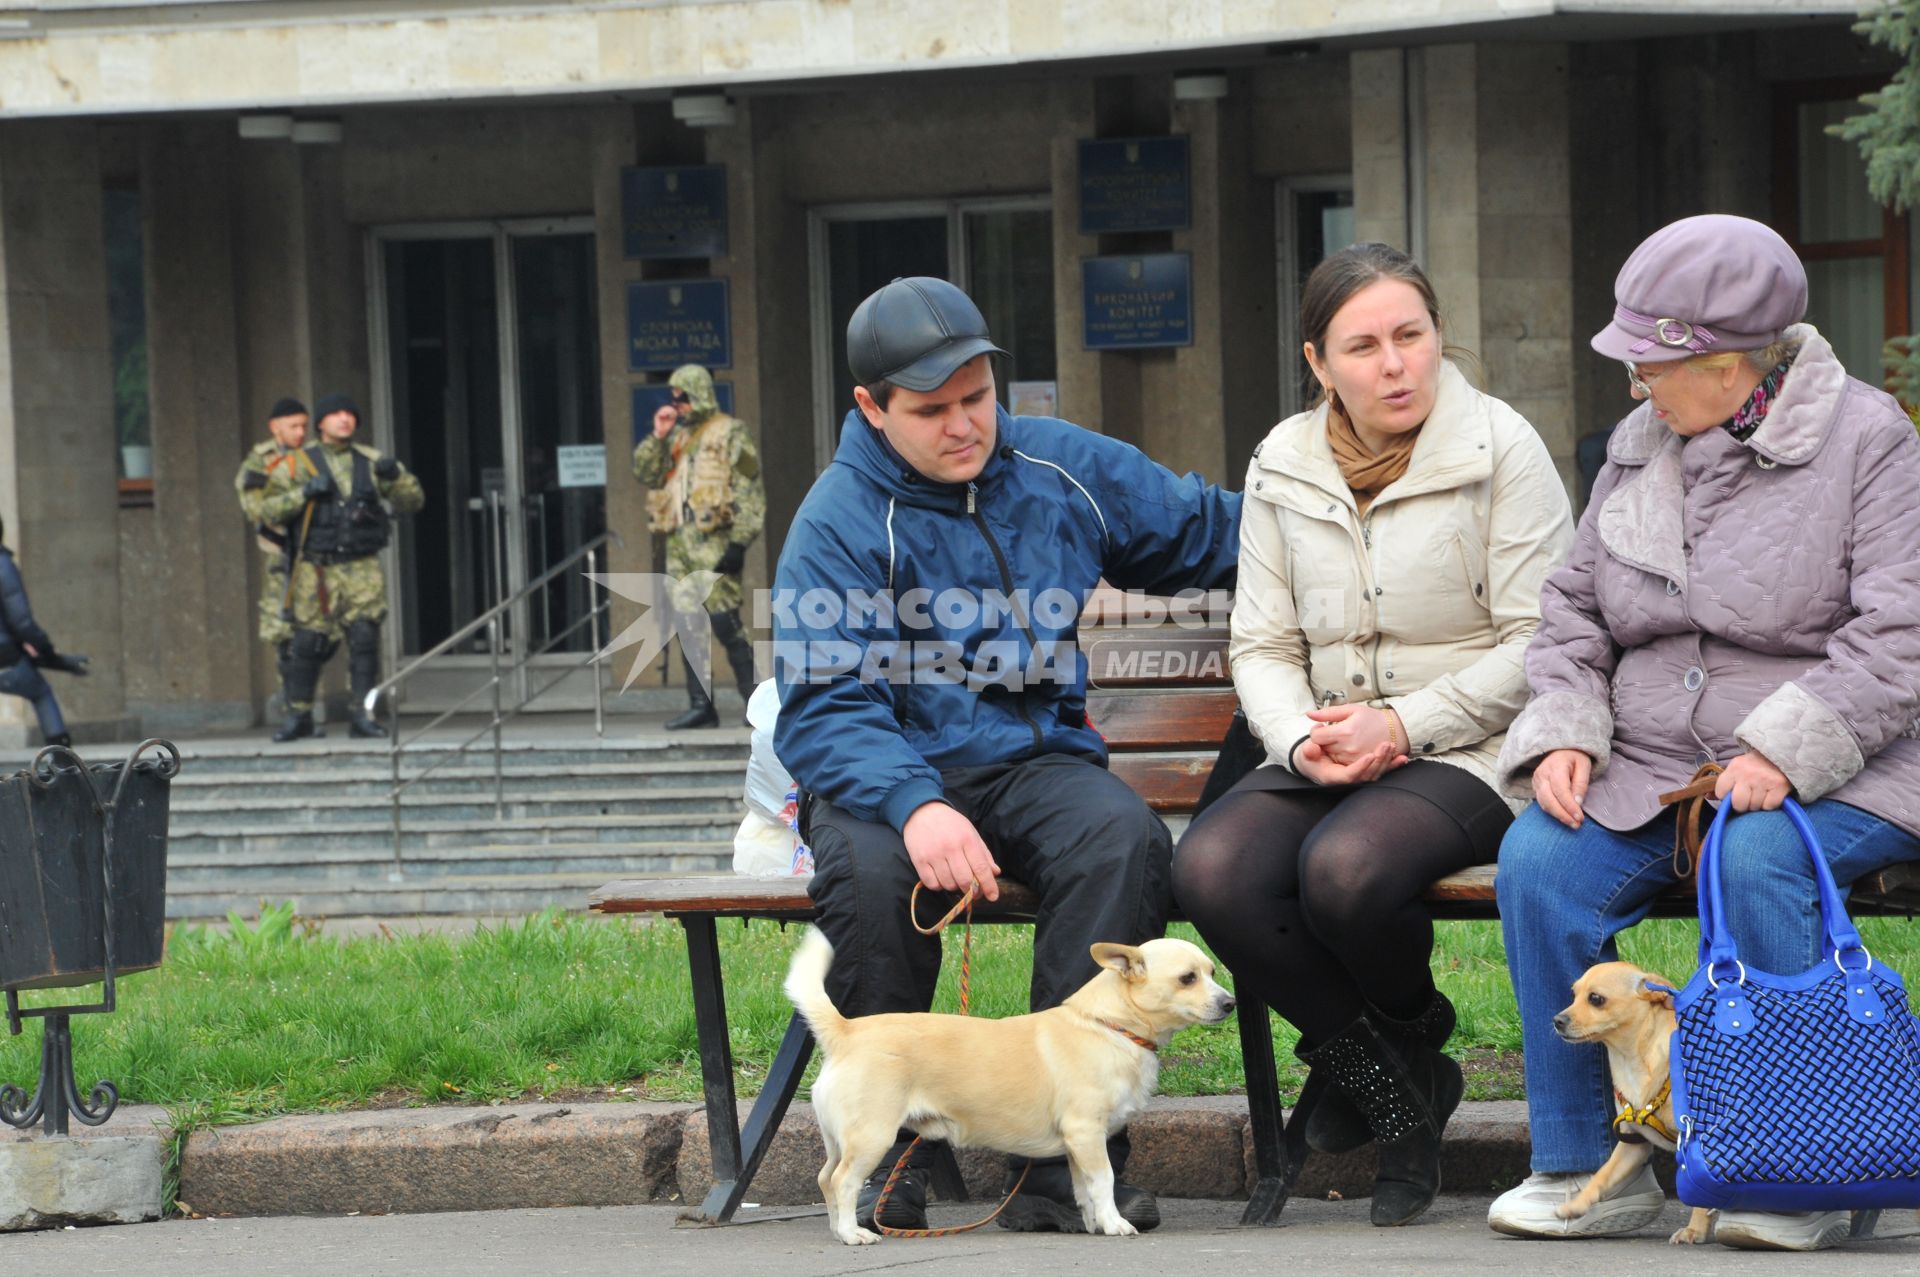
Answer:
[(1794, 1092)]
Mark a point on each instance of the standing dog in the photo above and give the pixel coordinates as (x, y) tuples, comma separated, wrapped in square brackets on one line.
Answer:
[(1063, 1079), (1614, 1005)]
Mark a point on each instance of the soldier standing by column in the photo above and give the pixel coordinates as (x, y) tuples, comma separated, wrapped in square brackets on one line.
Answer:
[(287, 426), (339, 522), (709, 502)]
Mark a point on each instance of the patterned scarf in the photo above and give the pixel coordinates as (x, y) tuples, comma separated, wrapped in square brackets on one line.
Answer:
[(1744, 422)]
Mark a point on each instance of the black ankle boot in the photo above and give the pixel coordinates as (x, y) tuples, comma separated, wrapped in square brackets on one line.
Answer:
[(297, 724), (1335, 1125), (907, 1203), (700, 711), (1046, 1204), (1406, 1090)]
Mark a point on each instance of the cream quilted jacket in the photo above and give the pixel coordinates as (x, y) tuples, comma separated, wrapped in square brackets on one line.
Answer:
[(1425, 605)]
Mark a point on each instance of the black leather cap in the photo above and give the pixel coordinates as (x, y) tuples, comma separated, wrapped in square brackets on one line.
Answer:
[(915, 333)]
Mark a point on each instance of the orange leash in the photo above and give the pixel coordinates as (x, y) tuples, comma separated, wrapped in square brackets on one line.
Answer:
[(966, 993), (1693, 816)]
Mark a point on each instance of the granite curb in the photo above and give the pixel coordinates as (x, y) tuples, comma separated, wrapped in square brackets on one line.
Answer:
[(392, 1161)]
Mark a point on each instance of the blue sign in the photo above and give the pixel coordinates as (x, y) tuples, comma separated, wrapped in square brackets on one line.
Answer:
[(674, 212), (1134, 302), (1135, 184), (648, 400), (678, 321)]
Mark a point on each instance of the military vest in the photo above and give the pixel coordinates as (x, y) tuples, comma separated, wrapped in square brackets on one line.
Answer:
[(350, 526), (699, 488)]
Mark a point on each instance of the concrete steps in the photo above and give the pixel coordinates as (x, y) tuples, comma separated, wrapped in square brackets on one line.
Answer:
[(310, 822)]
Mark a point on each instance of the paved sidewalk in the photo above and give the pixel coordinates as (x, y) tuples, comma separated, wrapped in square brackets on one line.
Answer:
[(1198, 1239)]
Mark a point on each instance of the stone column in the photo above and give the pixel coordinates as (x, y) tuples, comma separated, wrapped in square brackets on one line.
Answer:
[(1377, 97), (58, 471)]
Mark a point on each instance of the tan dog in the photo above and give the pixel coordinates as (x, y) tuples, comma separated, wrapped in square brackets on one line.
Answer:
[(1035, 1085), (1613, 1005)]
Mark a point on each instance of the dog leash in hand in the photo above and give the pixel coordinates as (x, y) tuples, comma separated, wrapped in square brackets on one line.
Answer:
[(1691, 818), (965, 906)]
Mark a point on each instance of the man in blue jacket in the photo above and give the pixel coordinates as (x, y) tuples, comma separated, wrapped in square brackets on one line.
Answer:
[(933, 704)]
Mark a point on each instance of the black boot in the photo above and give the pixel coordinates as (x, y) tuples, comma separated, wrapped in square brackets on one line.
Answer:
[(277, 702), (363, 675), (1046, 1203), (1406, 1090), (732, 635), (300, 676), (1335, 1125), (907, 1203), (700, 711)]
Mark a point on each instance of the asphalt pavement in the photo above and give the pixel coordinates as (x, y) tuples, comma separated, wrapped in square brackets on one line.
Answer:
[(1198, 1239)]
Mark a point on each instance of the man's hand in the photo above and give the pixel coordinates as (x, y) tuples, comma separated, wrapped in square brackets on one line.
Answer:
[(387, 467), (732, 559), (1560, 785), (665, 417), (1312, 762), (946, 849), (1348, 733), (1753, 784)]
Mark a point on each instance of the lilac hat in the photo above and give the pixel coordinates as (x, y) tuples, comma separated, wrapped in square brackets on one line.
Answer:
[(1700, 285)]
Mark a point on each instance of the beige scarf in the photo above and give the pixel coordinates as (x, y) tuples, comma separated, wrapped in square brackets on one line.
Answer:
[(1367, 472)]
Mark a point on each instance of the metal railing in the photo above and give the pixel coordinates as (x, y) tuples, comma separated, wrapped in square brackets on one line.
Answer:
[(491, 621)]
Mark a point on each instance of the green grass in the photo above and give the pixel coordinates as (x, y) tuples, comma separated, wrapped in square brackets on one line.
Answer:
[(283, 1018)]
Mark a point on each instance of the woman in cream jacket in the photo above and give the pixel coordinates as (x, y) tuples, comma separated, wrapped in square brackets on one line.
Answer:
[(1393, 545)]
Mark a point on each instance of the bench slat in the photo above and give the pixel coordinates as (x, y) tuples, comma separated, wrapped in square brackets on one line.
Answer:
[(1170, 782), (1162, 720)]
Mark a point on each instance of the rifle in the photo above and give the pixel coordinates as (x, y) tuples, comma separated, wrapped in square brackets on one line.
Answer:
[(66, 662), (295, 544)]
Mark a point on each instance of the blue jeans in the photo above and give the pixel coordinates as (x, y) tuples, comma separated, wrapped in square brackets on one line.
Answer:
[(25, 681), (1566, 893)]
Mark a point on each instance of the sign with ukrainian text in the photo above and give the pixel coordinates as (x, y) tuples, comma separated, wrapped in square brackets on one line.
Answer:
[(679, 321), (648, 400), (674, 212), (1137, 302), (1135, 184)]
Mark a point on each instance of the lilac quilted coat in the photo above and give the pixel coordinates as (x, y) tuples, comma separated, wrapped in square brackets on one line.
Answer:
[(1725, 597)]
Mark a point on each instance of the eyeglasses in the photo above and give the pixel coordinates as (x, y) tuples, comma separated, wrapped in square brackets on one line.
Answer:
[(1642, 382)]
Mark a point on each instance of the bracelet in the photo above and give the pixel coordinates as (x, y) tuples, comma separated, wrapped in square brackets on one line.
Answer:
[(1296, 749)]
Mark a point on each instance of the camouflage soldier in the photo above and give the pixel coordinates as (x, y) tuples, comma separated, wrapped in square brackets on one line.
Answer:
[(336, 514), (708, 501), (287, 424)]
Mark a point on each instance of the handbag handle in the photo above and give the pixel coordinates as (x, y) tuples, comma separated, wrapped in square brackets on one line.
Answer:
[(1716, 941)]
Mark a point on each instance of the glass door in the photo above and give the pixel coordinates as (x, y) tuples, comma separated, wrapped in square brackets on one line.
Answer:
[(999, 250), (487, 384)]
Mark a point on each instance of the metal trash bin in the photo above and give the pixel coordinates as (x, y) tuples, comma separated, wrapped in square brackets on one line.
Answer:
[(83, 898)]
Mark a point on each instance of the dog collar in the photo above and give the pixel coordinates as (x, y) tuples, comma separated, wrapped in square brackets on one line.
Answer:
[(1649, 1114), (1132, 1037)]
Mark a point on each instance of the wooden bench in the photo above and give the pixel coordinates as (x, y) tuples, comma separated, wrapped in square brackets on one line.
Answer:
[(1163, 719)]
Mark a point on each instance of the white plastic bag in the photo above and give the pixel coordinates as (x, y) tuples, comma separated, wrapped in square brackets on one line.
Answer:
[(767, 780)]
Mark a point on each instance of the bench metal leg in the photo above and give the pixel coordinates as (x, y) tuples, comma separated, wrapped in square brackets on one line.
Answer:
[(1863, 1224), (1279, 1149)]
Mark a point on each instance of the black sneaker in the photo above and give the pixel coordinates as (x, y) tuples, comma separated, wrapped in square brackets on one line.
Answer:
[(1045, 1203), (907, 1204)]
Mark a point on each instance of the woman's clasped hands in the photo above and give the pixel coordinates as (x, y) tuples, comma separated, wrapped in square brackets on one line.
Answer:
[(1350, 744)]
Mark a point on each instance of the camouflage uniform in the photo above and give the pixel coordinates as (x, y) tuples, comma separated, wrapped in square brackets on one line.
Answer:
[(708, 501), (337, 595), (251, 485)]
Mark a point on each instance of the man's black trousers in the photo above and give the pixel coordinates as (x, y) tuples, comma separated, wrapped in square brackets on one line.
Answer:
[(1099, 860)]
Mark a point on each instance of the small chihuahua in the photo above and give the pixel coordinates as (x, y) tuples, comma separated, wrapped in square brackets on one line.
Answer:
[(1063, 1079), (1616, 1004)]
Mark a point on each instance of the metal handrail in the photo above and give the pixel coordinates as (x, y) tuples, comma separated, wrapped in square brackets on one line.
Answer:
[(490, 621)]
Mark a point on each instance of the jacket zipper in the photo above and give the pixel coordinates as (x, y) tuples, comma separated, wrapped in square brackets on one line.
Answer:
[(1006, 583)]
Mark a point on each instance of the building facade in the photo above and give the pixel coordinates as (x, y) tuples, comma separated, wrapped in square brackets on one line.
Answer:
[(437, 210)]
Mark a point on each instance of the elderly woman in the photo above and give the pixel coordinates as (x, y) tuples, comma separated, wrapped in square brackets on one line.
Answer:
[(1745, 589), (1392, 549)]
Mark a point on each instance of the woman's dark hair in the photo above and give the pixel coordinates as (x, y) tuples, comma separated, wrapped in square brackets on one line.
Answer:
[(1345, 273)]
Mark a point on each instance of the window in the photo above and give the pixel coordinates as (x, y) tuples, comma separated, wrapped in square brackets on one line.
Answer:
[(127, 325), (1854, 249), (999, 250), (1313, 216)]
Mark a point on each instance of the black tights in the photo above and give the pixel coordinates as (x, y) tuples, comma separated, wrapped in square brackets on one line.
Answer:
[(1312, 896)]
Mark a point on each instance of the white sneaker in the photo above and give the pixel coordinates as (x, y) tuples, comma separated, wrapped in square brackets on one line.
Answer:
[(1527, 1210), (1770, 1230)]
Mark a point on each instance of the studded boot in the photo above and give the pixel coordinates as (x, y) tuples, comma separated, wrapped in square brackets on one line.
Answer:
[(1406, 1090), (1335, 1125)]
